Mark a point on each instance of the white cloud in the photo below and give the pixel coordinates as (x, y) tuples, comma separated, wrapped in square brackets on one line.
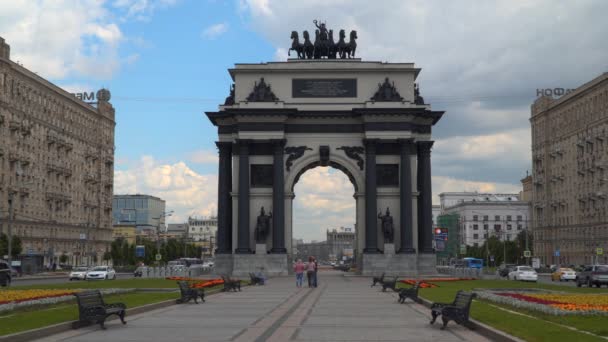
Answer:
[(142, 10), (203, 157), (214, 31), (324, 200), (185, 191)]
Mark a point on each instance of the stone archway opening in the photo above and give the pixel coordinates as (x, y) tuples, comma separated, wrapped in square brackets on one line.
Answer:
[(324, 214)]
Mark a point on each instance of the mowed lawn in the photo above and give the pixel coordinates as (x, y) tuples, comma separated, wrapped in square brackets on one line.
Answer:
[(40, 316), (528, 325)]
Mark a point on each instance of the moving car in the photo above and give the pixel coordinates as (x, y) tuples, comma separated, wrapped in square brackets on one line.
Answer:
[(593, 275), (504, 270), (5, 274), (563, 274), (525, 273), (101, 272), (79, 273)]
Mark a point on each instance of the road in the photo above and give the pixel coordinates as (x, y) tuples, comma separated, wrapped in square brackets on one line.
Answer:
[(55, 280)]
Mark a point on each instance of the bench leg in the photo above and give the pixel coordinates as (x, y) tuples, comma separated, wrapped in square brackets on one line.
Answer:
[(102, 323), (121, 315), (445, 321), (195, 299), (435, 315)]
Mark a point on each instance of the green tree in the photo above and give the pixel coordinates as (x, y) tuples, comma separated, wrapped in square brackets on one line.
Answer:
[(16, 247), (3, 245), (63, 258)]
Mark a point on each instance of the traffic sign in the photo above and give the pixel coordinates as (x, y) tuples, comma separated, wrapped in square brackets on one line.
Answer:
[(556, 253), (159, 257), (491, 258), (527, 254), (463, 249), (599, 251)]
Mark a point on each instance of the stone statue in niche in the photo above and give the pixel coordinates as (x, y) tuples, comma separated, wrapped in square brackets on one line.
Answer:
[(263, 226), (387, 226)]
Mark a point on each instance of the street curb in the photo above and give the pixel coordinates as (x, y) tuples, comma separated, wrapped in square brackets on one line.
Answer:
[(481, 328), (30, 335)]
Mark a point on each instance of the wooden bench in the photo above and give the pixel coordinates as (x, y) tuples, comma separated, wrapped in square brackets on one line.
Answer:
[(255, 280), (389, 284), (92, 309), (189, 293), (231, 284), (411, 293), (457, 311), (377, 280)]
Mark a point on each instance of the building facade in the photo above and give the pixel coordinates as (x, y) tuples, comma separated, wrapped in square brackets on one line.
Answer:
[(56, 167), (341, 243), (126, 232), (141, 210), (485, 215), (203, 232), (570, 182), (177, 231)]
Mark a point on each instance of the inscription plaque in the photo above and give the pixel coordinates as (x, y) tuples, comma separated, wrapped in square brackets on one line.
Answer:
[(324, 87), (261, 176), (387, 175)]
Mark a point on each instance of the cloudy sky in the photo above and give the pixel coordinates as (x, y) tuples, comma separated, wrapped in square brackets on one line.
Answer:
[(165, 62)]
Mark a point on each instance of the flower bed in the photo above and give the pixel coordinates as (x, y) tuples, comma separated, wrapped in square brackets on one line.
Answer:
[(430, 283), (550, 303), (13, 299), (198, 283)]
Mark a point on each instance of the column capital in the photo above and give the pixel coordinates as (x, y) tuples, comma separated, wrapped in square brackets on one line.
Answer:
[(407, 146), (243, 146), (278, 144), (424, 147), (224, 146), (370, 145)]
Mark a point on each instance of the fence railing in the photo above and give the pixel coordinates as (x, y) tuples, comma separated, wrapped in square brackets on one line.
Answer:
[(163, 272), (460, 271)]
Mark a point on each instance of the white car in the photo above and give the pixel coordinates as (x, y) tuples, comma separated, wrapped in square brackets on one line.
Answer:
[(525, 273), (101, 272), (79, 273)]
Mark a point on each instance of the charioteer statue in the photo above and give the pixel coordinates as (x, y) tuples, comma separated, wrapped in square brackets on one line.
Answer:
[(324, 45)]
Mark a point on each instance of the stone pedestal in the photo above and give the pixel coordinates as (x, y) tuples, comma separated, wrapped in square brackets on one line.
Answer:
[(389, 249), (222, 264), (260, 249), (427, 264), (268, 264), (402, 265)]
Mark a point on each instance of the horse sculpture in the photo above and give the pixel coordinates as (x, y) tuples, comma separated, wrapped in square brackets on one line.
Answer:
[(309, 49), (351, 47), (331, 49), (296, 45)]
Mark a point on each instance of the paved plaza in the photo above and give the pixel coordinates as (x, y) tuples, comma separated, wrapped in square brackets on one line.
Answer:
[(340, 309)]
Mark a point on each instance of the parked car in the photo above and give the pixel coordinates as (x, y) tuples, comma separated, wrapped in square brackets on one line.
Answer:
[(504, 270), (525, 273), (593, 275), (79, 273), (563, 274), (5, 274), (101, 272)]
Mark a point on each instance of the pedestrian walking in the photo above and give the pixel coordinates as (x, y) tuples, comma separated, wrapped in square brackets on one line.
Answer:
[(310, 270), (315, 278), (298, 268)]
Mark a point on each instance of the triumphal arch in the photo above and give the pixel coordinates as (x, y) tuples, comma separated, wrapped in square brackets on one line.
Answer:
[(325, 108)]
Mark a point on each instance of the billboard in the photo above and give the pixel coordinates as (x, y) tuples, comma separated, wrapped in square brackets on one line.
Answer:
[(140, 251), (441, 239)]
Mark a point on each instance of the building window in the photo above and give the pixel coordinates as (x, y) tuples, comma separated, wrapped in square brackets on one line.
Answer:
[(497, 227), (475, 227), (519, 227), (508, 217), (485, 227), (485, 217), (475, 236), (485, 235), (519, 218), (476, 244), (475, 218), (497, 218), (509, 227)]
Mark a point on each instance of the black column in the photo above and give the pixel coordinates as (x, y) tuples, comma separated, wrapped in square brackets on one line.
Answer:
[(425, 200), (406, 148), (278, 198), (224, 202), (371, 210), (243, 246)]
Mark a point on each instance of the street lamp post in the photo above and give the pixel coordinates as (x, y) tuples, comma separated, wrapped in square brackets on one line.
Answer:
[(164, 214), (11, 214)]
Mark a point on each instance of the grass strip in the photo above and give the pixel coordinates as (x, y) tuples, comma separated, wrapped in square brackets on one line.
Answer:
[(138, 283), (518, 325), (38, 317)]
